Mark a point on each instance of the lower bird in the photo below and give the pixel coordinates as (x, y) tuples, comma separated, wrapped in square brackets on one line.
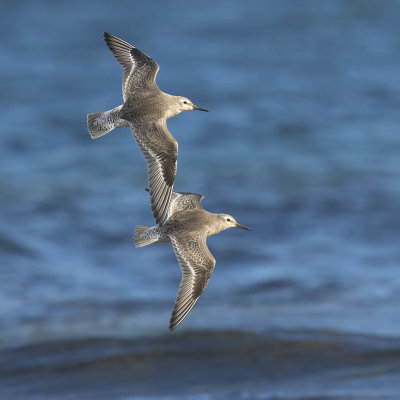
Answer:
[(145, 110), (187, 227)]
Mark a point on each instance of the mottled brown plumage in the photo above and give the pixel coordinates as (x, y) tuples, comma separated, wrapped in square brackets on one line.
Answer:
[(187, 227), (145, 110)]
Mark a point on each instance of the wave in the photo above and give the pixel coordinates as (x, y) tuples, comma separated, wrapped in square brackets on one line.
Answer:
[(292, 363)]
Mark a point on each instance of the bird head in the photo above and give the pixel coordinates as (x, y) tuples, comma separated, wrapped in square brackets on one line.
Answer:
[(183, 104), (226, 221)]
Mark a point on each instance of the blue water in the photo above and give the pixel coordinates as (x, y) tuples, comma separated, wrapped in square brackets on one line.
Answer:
[(301, 143)]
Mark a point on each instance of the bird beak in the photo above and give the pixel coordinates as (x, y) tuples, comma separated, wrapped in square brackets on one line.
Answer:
[(243, 227), (199, 108)]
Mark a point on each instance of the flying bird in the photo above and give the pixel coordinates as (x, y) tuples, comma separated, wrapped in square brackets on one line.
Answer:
[(145, 110), (187, 227)]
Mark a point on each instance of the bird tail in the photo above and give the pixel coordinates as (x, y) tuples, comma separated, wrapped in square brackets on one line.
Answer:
[(103, 122), (145, 235)]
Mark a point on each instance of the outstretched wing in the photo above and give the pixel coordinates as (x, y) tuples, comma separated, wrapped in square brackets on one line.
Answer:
[(184, 201), (160, 151), (139, 69), (197, 264)]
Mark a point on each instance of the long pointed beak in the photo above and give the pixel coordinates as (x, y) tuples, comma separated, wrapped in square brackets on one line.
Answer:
[(199, 108), (243, 227)]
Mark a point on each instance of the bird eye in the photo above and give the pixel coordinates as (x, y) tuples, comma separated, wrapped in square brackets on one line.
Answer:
[(185, 102), (228, 219)]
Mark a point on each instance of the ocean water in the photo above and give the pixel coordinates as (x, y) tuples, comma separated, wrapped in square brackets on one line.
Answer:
[(301, 144)]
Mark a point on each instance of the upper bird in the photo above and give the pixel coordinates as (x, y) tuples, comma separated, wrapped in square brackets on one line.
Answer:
[(145, 110), (187, 227)]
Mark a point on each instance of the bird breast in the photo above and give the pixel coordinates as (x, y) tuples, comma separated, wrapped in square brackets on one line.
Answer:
[(146, 108)]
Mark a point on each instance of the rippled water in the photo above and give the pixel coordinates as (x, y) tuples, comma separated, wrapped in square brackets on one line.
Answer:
[(302, 144)]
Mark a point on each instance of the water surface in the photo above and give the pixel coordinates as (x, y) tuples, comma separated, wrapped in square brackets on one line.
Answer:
[(301, 144)]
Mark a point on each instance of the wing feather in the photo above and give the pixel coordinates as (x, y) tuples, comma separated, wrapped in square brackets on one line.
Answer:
[(139, 69), (181, 201), (160, 151), (197, 264)]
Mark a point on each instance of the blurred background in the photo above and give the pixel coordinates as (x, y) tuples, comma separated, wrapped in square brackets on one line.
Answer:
[(301, 143)]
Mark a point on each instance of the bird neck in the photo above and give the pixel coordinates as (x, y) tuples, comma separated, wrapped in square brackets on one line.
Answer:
[(173, 105), (213, 227)]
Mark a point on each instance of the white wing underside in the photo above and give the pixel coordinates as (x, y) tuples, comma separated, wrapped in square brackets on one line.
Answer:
[(160, 151), (197, 264)]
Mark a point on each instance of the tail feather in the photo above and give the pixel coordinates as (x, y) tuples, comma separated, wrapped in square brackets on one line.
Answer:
[(95, 127), (103, 122), (145, 235)]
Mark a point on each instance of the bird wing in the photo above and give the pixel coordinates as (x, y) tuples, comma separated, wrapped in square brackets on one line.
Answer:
[(197, 264), (139, 69), (160, 150), (181, 201)]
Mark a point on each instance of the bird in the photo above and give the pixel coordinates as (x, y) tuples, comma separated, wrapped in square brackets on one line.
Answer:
[(145, 110), (187, 227)]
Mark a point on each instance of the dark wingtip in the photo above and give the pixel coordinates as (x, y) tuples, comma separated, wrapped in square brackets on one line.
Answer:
[(108, 38), (172, 326)]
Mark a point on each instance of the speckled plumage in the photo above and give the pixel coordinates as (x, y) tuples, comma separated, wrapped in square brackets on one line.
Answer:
[(187, 227), (145, 110)]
